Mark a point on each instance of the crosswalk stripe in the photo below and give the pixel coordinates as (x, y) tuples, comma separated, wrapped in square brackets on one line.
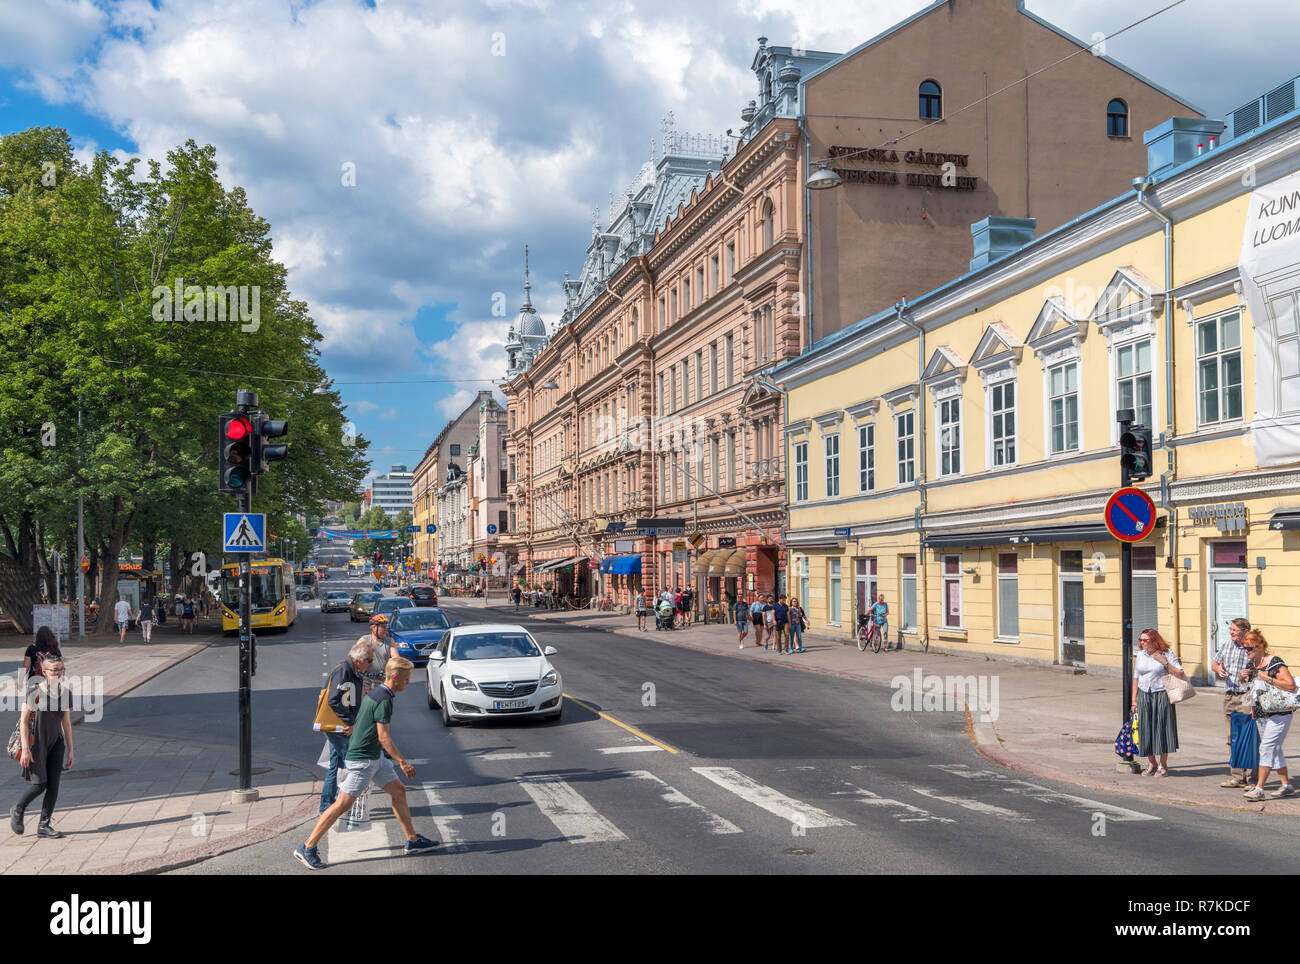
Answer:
[(358, 843), (565, 807), (676, 800), (770, 800), (977, 805), (631, 749), (529, 755), (448, 833), (902, 812), (1045, 794)]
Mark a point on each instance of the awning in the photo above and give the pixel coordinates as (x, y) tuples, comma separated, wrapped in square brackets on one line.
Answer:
[(718, 564), (518, 567), (607, 564), (736, 563), (702, 560), (626, 565), (550, 564), (1286, 519), (1078, 532)]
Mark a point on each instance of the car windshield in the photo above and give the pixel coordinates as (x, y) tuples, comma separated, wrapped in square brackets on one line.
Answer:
[(336, 595), (389, 604), (367, 597), (410, 622), (493, 646)]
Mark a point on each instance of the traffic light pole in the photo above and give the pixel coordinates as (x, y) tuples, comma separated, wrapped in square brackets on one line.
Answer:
[(1126, 597), (245, 793)]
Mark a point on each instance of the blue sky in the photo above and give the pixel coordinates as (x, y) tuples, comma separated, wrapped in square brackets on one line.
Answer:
[(474, 129)]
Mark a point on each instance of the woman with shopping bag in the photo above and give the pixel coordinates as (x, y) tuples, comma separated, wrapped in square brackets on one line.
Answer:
[(1273, 700), (1157, 718)]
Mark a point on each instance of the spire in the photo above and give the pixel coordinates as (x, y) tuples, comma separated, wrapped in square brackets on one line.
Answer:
[(528, 300)]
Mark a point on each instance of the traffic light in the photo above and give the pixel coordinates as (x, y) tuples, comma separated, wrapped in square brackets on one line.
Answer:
[(263, 429), (1135, 454), (235, 448)]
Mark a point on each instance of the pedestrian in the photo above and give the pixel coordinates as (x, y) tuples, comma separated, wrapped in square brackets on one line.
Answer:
[(44, 646), (688, 604), (45, 725), (345, 689), (741, 610), (122, 616), (769, 621), (1267, 674), (677, 606), (146, 620), (187, 614), (1157, 717), (370, 756), (640, 607), (380, 651), (1243, 735), (880, 611), (781, 622), (797, 626), (180, 605), (756, 617), (160, 608), (517, 594)]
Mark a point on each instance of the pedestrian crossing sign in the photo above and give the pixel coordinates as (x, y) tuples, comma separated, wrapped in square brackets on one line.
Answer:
[(244, 532)]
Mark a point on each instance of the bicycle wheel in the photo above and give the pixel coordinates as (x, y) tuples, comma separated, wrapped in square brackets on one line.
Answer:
[(875, 638), (862, 639)]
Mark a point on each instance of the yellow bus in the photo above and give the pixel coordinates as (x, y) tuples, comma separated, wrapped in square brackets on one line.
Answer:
[(272, 603), (357, 567)]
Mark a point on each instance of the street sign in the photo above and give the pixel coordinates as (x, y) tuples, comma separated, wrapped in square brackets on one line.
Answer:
[(843, 531), (244, 532), (85, 564), (727, 542), (431, 528), (1130, 515), (679, 547), (492, 529), (412, 528)]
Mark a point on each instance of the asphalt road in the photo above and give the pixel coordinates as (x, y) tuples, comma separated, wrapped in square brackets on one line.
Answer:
[(775, 770)]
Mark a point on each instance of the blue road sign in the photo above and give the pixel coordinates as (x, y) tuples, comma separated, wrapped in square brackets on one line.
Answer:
[(378, 588), (1130, 515), (431, 528), (244, 532), (412, 528), (844, 531), (492, 529)]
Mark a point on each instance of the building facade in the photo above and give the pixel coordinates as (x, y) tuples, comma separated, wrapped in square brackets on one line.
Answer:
[(955, 452), (392, 492)]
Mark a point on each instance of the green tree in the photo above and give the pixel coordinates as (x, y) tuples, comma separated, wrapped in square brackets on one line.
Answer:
[(374, 518)]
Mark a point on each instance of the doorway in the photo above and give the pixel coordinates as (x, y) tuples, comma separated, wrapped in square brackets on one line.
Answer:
[(1073, 651), (1229, 598)]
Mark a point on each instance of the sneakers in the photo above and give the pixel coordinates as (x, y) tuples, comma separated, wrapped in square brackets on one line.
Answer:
[(309, 856), (1286, 790), (1255, 793), (421, 844)]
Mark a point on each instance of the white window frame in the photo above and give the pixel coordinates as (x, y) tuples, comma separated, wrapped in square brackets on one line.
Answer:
[(829, 441), (1013, 438), (834, 592), (1131, 344), (1000, 578), (947, 407), (945, 580), (907, 585), (910, 438), (1049, 397), (1219, 355), (801, 471), (867, 457)]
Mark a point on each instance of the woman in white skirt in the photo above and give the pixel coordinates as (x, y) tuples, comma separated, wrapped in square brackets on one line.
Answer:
[(1157, 717), (1267, 671)]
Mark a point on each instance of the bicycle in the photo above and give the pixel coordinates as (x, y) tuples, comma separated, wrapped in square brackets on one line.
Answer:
[(868, 634)]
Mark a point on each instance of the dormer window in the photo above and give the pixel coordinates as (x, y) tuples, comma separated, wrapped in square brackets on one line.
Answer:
[(931, 101)]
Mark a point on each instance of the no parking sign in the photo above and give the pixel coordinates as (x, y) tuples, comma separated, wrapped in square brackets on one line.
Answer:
[(1130, 515)]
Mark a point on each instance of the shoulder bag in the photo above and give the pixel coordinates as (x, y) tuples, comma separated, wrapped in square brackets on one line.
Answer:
[(1179, 690)]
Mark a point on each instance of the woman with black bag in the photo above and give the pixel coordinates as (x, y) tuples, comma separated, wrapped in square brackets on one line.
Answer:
[(45, 726)]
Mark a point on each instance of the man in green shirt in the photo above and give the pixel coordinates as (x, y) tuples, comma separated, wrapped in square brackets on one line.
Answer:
[(370, 756)]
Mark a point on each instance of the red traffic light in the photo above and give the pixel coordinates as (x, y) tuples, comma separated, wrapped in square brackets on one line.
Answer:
[(238, 428)]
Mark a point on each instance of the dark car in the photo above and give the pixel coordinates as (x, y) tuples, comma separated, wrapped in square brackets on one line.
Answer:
[(363, 605), (424, 596), (417, 632), (335, 601), (389, 605)]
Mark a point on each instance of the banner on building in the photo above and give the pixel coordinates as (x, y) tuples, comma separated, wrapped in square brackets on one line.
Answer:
[(1270, 281)]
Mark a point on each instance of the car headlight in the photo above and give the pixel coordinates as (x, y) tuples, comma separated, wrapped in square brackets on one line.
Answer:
[(551, 678), (461, 683)]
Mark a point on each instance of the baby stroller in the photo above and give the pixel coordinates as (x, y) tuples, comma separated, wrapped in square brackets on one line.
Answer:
[(663, 619)]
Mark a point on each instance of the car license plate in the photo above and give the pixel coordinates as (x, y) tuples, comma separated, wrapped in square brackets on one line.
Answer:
[(511, 704)]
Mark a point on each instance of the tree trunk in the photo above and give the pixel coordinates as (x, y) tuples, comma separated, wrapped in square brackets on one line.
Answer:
[(175, 559)]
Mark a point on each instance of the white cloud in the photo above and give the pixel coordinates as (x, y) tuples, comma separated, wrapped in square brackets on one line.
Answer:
[(48, 35)]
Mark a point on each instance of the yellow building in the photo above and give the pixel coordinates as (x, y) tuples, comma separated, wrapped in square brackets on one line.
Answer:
[(955, 453)]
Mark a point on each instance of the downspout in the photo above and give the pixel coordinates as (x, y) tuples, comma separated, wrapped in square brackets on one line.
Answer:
[(922, 603), (1142, 185), (807, 215)]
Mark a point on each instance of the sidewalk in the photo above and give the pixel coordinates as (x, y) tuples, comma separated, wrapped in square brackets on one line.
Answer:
[(1049, 722), (133, 804)]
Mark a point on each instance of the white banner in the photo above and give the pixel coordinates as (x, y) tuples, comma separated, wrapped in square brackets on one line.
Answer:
[(1270, 280)]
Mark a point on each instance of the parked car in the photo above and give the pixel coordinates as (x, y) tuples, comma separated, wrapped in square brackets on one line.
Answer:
[(424, 596), (417, 632), (493, 669), (335, 601), (363, 605)]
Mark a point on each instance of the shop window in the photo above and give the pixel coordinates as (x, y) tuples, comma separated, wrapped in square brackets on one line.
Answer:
[(952, 592), (1008, 596), (1228, 555)]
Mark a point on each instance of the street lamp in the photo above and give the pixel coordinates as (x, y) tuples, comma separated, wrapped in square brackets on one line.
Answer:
[(824, 178)]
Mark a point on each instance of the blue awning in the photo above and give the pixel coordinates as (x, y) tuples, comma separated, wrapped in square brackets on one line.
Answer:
[(628, 565), (607, 564)]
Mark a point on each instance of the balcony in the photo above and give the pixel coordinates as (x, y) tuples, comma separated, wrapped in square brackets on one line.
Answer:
[(764, 470)]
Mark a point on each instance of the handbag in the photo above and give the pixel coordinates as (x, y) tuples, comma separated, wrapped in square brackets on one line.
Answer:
[(1273, 700), (1179, 690), (1124, 742), (327, 721)]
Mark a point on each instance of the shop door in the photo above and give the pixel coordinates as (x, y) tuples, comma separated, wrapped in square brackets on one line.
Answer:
[(1228, 601), (1071, 596)]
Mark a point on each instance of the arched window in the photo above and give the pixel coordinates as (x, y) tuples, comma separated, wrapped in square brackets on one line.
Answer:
[(931, 101), (634, 320), (1117, 118), (769, 224), (767, 87)]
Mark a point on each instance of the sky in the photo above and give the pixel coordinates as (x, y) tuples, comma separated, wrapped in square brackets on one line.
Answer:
[(404, 151)]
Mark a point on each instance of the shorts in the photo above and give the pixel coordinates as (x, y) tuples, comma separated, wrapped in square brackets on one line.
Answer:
[(358, 773)]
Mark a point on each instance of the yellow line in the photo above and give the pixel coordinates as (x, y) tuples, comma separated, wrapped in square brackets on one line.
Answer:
[(630, 729)]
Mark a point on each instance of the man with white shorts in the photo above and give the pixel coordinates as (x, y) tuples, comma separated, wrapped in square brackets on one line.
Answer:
[(370, 756)]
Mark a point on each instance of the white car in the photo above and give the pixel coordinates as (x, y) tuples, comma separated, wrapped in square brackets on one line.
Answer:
[(492, 670)]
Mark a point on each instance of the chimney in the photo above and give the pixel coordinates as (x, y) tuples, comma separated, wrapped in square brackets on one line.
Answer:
[(996, 237), (1176, 141)]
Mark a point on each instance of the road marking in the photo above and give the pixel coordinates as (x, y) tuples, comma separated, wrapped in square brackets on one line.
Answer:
[(358, 843), (903, 812), (773, 801), (569, 810), (530, 755), (452, 842), (631, 749), (677, 800), (1045, 794), (630, 729), (977, 805)]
